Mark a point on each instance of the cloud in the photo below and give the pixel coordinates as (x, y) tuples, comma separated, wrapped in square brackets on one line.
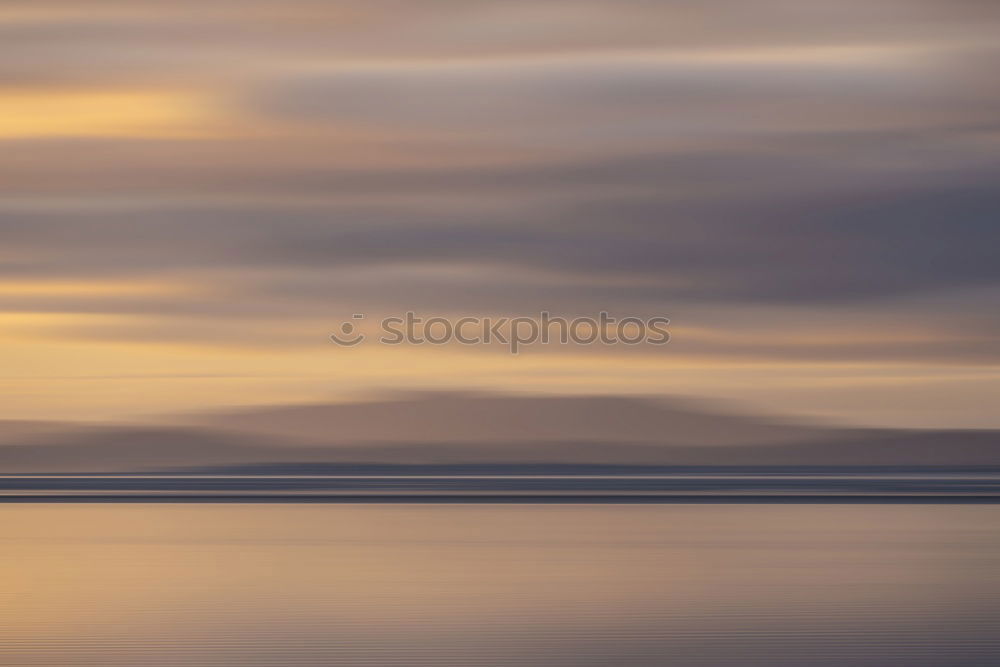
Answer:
[(854, 245), (627, 99), (759, 169)]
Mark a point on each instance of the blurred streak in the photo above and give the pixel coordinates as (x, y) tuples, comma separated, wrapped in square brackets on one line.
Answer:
[(86, 113), (59, 288)]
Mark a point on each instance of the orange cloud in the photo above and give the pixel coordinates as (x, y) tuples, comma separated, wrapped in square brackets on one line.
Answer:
[(103, 113)]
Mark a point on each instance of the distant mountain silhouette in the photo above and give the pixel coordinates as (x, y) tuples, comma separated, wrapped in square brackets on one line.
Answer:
[(463, 418), (13, 432), (477, 430)]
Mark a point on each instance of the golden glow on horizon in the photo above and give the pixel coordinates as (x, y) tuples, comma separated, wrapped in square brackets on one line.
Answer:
[(98, 379)]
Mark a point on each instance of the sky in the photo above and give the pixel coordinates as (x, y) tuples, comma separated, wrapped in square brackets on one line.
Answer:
[(193, 195)]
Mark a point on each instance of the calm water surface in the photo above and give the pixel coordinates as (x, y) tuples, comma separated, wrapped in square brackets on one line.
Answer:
[(470, 585)]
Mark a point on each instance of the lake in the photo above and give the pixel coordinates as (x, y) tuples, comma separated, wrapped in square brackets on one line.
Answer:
[(163, 584)]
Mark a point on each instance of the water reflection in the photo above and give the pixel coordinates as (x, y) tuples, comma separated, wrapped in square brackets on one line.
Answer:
[(499, 585)]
